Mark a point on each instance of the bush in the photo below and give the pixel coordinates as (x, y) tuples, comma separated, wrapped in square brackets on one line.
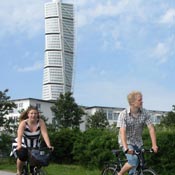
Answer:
[(94, 147), (63, 142), (163, 161), (5, 145)]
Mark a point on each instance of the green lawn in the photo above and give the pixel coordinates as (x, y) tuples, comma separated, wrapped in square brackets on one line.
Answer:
[(70, 170), (54, 169)]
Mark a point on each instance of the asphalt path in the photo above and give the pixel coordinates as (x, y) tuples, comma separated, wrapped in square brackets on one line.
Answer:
[(6, 173)]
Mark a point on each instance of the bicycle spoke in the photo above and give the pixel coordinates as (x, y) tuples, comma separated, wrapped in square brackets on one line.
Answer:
[(40, 171), (24, 170), (109, 171)]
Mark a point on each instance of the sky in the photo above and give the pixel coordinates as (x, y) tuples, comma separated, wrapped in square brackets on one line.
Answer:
[(120, 46)]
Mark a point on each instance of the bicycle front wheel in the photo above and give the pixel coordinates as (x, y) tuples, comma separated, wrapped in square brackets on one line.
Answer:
[(40, 171), (148, 172), (109, 171)]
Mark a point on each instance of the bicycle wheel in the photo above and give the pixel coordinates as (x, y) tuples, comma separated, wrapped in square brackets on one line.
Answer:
[(148, 172), (24, 170), (40, 171), (109, 171)]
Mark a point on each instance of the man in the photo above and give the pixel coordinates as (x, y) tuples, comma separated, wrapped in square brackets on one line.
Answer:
[(131, 122)]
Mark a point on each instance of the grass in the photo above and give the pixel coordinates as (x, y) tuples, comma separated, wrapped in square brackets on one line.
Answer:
[(53, 169), (70, 170)]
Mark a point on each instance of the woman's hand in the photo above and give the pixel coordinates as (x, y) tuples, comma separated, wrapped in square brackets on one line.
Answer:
[(19, 147)]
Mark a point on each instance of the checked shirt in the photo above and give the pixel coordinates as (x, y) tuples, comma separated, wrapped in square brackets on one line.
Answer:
[(134, 126)]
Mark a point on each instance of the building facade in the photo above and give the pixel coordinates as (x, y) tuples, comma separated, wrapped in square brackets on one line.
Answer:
[(44, 107), (23, 104), (112, 114), (59, 49)]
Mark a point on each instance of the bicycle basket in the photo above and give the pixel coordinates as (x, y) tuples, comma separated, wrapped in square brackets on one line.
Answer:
[(39, 158)]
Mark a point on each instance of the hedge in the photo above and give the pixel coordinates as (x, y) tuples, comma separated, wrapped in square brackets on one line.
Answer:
[(93, 147)]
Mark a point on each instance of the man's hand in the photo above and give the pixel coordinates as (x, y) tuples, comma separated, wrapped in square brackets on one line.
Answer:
[(129, 151), (155, 148), (51, 148)]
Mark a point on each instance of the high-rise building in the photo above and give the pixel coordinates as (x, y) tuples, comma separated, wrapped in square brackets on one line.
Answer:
[(59, 49)]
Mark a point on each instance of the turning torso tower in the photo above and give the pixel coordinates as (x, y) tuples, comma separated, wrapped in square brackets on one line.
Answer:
[(59, 49)]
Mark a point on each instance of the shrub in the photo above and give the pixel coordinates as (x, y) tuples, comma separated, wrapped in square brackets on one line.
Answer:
[(94, 147)]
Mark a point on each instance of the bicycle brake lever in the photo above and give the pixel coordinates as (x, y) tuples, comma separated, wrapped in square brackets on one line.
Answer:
[(151, 150)]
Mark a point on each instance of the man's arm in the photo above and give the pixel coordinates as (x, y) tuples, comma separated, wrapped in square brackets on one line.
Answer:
[(153, 137), (123, 138)]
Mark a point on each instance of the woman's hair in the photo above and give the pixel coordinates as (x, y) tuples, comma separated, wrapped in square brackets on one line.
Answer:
[(24, 115), (132, 96)]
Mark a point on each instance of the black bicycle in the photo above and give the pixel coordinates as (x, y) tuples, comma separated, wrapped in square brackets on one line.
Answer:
[(37, 159), (112, 168)]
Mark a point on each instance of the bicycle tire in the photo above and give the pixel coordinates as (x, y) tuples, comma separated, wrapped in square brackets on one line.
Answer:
[(148, 172), (40, 171), (24, 170), (109, 171)]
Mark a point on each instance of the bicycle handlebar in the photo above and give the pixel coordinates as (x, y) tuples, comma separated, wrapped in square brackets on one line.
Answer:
[(117, 152), (143, 150)]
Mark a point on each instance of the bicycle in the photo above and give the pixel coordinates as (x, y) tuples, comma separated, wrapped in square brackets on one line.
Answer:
[(37, 159), (114, 167)]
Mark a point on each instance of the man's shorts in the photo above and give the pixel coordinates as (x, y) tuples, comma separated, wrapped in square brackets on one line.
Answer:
[(132, 159)]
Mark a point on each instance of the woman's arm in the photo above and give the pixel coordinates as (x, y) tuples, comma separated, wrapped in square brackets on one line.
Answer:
[(20, 132), (45, 133)]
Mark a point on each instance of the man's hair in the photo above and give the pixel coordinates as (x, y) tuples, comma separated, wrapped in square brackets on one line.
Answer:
[(132, 96)]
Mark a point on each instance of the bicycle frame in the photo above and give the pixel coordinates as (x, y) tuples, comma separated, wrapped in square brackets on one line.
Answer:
[(141, 160), (27, 169), (116, 166)]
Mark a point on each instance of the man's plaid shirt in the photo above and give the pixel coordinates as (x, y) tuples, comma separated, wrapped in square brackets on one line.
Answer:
[(134, 126)]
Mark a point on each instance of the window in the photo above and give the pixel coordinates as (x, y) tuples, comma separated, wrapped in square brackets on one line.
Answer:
[(20, 105), (110, 115), (116, 116), (38, 106)]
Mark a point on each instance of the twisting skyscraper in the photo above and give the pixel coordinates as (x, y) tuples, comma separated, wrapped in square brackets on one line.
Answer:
[(59, 49)]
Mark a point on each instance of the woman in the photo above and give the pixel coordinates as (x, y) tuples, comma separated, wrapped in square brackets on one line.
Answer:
[(29, 132)]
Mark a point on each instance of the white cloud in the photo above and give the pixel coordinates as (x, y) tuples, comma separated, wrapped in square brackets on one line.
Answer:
[(36, 66), (112, 39), (161, 51), (168, 17), (87, 15), (93, 10), (164, 50), (115, 21), (21, 17)]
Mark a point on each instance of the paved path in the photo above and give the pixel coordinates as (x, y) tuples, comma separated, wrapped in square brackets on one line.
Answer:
[(6, 173)]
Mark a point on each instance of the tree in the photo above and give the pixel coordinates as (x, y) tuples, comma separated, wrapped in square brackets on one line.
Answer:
[(169, 119), (5, 106), (98, 120), (67, 113)]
